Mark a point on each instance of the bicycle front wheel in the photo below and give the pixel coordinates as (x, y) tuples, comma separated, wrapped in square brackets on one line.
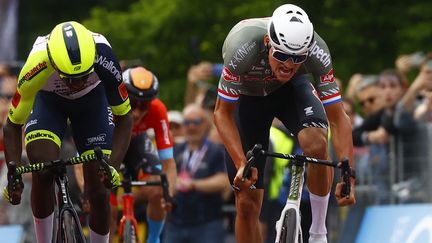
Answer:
[(290, 229), (129, 232), (69, 230)]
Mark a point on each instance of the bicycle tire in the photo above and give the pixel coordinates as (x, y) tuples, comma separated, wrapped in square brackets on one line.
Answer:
[(69, 231), (289, 229), (129, 232)]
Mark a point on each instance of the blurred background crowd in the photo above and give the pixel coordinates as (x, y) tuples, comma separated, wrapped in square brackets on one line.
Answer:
[(385, 75)]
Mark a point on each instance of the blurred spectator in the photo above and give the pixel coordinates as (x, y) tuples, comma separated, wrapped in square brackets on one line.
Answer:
[(407, 62), (197, 87), (201, 181), (175, 119), (353, 82), (355, 118), (412, 153)]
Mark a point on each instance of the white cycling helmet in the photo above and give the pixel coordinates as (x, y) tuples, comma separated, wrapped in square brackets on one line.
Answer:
[(290, 30)]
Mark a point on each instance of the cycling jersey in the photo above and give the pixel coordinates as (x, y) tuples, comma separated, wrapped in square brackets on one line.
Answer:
[(247, 70), (39, 74), (157, 119)]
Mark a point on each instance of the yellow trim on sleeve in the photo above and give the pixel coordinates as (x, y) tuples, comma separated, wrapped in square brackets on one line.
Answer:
[(122, 109)]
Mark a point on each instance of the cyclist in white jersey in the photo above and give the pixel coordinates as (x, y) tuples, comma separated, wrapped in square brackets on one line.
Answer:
[(271, 69)]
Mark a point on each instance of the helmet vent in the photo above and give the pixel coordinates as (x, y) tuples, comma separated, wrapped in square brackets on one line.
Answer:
[(71, 42), (273, 35), (295, 19)]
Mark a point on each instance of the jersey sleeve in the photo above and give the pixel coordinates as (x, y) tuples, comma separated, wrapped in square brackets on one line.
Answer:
[(159, 122), (239, 52), (320, 65), (108, 69), (31, 79)]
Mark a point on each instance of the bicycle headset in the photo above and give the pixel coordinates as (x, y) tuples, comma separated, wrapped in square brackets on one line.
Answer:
[(71, 50), (141, 83), (290, 30)]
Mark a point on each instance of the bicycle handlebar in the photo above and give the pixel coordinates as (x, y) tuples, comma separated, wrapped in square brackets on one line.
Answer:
[(97, 155), (54, 163), (301, 160), (127, 184)]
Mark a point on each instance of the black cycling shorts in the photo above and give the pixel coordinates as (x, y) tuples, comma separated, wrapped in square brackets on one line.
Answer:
[(90, 117), (142, 157), (296, 104)]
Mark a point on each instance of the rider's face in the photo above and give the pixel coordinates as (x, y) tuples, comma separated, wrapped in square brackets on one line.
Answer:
[(283, 71)]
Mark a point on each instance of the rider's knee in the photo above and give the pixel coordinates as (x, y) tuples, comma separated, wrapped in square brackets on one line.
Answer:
[(314, 144)]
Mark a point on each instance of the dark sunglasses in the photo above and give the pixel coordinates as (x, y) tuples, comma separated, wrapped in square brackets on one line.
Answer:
[(195, 122), (71, 80), (283, 57), (369, 100), (139, 104)]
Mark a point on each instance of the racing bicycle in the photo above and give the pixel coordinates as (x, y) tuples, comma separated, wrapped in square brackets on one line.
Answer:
[(68, 228), (128, 228), (288, 228)]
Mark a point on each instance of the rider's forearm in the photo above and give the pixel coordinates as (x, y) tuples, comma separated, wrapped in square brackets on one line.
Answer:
[(169, 168), (230, 137), (12, 137), (121, 139), (341, 133), (212, 184)]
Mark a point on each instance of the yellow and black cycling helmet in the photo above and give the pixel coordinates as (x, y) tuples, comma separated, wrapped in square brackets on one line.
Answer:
[(71, 50), (141, 83)]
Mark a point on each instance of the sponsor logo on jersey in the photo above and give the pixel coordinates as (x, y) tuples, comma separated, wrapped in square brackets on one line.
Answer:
[(16, 99), (319, 53), (241, 53), (32, 73), (228, 76), (328, 78), (123, 91), (165, 132), (109, 65), (308, 111), (110, 117), (99, 139), (37, 135), (29, 123)]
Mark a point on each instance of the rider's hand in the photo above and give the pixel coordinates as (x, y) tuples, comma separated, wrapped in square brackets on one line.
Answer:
[(248, 182), (343, 201), (167, 206), (115, 177), (12, 192)]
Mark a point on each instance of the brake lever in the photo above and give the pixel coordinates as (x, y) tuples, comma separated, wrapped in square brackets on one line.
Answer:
[(103, 162)]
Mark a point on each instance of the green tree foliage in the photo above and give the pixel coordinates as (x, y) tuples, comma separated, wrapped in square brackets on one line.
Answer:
[(170, 35)]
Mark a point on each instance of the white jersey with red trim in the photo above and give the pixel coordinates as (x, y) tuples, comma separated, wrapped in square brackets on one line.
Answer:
[(247, 71)]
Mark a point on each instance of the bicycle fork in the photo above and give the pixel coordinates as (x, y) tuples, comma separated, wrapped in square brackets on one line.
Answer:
[(290, 216), (128, 215)]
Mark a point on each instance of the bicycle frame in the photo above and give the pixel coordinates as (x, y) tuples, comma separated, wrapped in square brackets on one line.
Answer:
[(64, 204), (128, 210), (63, 200), (292, 204), (128, 203)]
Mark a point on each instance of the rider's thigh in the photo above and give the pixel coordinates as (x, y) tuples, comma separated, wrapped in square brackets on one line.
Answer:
[(42, 150)]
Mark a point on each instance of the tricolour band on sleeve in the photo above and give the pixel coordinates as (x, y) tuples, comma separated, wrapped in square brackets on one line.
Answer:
[(227, 96)]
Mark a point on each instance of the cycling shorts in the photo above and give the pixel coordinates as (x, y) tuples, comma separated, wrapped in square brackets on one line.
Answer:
[(90, 117), (296, 104)]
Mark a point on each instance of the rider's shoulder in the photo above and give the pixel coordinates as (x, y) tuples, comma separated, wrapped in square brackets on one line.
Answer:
[(100, 39)]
